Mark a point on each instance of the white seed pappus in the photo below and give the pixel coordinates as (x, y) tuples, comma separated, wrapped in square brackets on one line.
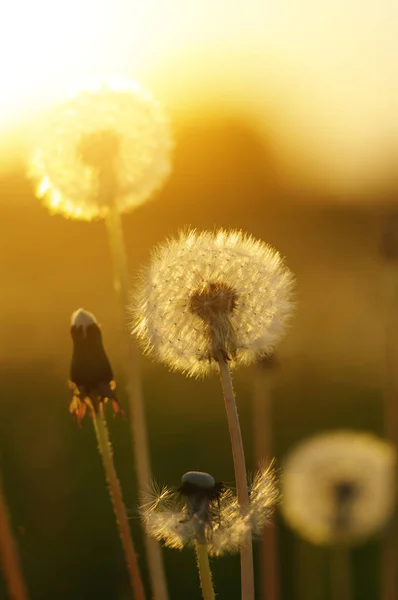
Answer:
[(253, 270)]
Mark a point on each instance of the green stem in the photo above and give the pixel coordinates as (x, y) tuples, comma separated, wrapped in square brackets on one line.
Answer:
[(131, 360), (206, 581), (9, 556), (246, 553), (105, 449)]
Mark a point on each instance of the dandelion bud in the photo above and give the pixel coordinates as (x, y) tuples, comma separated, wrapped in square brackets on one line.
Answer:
[(91, 377)]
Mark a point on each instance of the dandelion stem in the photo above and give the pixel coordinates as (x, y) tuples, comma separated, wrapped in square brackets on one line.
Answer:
[(389, 253), (312, 567), (206, 581), (340, 584), (262, 433), (105, 449), (247, 570), (9, 556), (137, 412)]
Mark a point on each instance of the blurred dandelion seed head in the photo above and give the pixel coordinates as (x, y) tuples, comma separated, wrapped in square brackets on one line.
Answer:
[(206, 294), (208, 513), (339, 487), (115, 129)]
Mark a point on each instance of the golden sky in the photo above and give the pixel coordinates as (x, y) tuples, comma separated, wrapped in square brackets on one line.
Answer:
[(320, 77)]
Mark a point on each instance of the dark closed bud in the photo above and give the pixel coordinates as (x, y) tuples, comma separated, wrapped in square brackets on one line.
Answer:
[(90, 367), (91, 377)]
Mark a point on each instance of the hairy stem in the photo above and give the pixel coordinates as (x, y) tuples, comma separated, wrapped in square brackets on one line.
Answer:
[(105, 449), (246, 554), (135, 398), (206, 581), (9, 556)]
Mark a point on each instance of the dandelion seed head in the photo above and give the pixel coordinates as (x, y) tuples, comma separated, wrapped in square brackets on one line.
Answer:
[(210, 295), (107, 144), (339, 487), (208, 513)]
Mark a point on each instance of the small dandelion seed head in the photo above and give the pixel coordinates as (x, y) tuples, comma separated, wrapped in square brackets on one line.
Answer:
[(109, 143), (205, 510), (339, 487), (211, 295)]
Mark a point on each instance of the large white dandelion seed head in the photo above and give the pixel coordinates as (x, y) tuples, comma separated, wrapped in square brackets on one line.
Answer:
[(118, 124), (216, 520), (205, 293), (339, 487)]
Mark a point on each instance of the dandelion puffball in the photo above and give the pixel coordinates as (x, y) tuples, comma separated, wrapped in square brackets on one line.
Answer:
[(207, 295), (339, 487), (206, 511), (108, 144)]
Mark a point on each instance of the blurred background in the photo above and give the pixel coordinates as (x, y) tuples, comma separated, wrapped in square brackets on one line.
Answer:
[(285, 123)]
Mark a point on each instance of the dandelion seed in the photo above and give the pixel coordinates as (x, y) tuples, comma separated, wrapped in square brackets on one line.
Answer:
[(116, 132), (207, 511), (209, 296), (91, 377), (339, 488)]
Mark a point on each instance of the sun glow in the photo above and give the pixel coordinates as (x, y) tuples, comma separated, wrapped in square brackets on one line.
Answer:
[(46, 47), (318, 77)]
